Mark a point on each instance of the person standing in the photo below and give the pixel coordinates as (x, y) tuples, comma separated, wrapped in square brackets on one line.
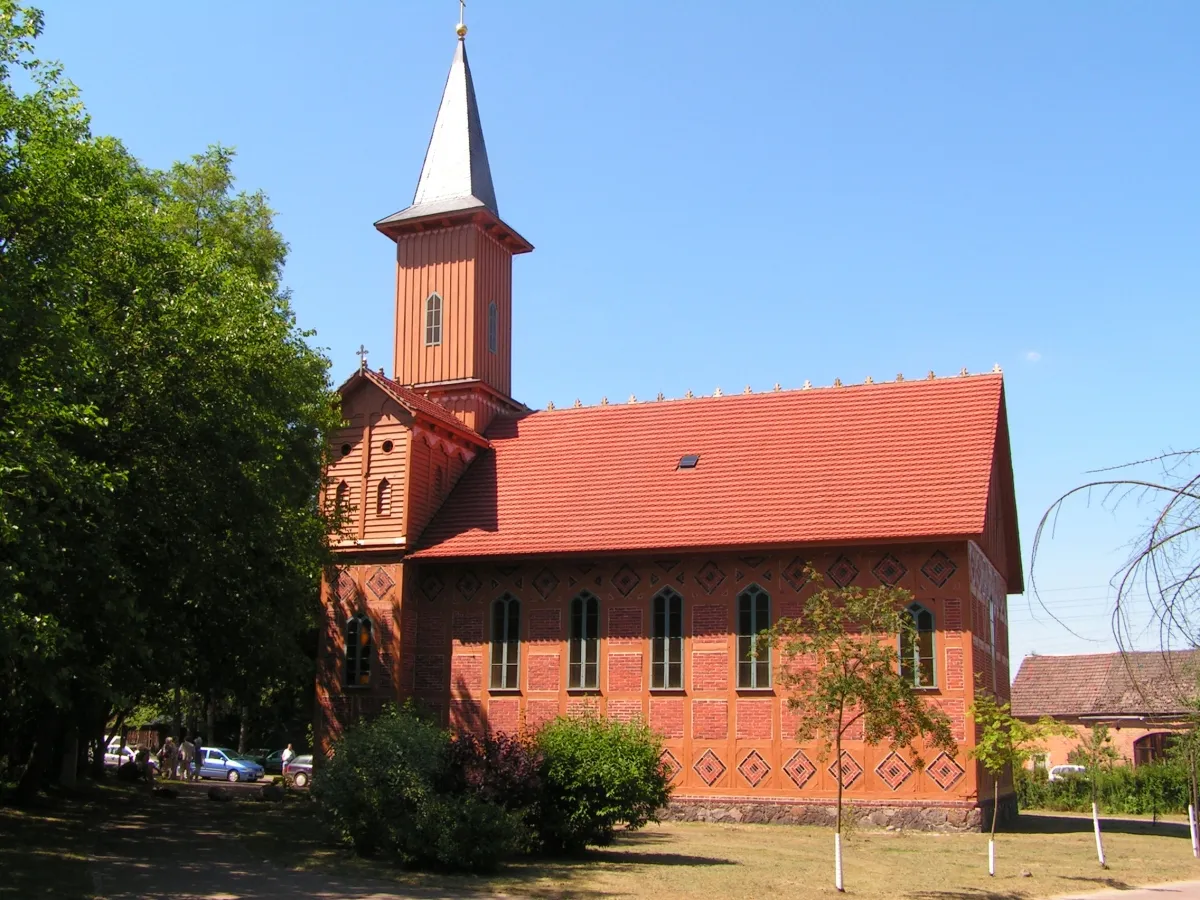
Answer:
[(186, 751), (168, 758), (288, 755), (198, 756)]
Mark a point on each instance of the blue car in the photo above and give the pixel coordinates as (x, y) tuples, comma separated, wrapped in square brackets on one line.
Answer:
[(221, 763)]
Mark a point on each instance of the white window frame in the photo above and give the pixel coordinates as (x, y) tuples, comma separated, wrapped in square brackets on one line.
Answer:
[(433, 320)]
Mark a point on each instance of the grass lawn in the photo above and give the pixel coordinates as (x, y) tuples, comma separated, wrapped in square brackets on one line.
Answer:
[(51, 850), (753, 861)]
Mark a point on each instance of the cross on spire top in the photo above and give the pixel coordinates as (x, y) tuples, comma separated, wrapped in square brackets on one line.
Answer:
[(362, 356), (461, 30)]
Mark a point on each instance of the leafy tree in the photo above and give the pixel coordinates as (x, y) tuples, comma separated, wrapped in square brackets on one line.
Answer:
[(164, 425), (840, 671), (1185, 750), (1095, 753), (1006, 743)]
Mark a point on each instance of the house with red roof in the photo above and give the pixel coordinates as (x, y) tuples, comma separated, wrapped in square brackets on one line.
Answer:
[(1144, 698), (502, 566)]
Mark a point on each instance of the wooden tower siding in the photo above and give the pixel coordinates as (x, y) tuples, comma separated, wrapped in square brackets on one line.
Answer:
[(469, 269), (430, 452)]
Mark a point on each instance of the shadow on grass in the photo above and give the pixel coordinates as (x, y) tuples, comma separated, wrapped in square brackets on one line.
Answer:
[(1032, 823), (1113, 884), (967, 894)]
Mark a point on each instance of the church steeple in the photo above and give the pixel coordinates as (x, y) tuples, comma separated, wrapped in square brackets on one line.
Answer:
[(456, 175), (454, 266)]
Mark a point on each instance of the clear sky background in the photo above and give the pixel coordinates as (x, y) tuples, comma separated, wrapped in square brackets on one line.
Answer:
[(724, 194)]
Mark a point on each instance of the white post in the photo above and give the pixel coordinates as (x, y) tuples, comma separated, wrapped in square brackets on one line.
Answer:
[(1099, 843), (1192, 827), (837, 862), (991, 857)]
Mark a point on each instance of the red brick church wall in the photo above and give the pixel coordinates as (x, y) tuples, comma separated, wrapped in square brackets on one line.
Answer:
[(720, 740)]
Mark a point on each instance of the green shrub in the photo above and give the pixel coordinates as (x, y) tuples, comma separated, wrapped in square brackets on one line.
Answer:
[(387, 792), (1158, 787), (597, 774)]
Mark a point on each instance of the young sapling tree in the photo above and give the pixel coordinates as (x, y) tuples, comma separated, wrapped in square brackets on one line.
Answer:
[(840, 671), (1094, 752), (1005, 742)]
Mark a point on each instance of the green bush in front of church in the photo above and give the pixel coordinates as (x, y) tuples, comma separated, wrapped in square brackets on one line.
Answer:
[(400, 788)]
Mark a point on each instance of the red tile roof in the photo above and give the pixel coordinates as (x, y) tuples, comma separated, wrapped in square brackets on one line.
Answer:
[(1105, 684), (417, 404), (904, 460)]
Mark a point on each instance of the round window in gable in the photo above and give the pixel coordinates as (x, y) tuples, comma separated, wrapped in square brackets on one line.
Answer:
[(387, 446), (345, 449)]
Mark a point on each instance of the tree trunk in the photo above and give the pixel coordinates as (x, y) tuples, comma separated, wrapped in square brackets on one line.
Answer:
[(70, 756), (177, 719), (992, 839), (1195, 802), (244, 728), (210, 736), (39, 759), (1096, 825), (837, 834)]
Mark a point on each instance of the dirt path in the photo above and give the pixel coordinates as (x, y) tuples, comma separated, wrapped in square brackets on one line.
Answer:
[(191, 848)]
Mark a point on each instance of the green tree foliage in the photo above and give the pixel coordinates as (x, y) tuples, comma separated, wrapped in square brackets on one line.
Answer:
[(1004, 742), (163, 423), (840, 670), (1097, 754), (597, 774), (1151, 789)]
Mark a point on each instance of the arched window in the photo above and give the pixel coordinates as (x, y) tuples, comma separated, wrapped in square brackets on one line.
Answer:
[(341, 500), (358, 651), (433, 320), (916, 648), (493, 327), (666, 642), (439, 480), (754, 657), (506, 643), (585, 642), (383, 499)]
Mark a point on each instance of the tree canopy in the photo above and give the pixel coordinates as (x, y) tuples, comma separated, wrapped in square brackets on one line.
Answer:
[(163, 422)]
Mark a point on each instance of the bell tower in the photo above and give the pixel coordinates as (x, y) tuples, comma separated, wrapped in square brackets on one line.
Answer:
[(454, 253)]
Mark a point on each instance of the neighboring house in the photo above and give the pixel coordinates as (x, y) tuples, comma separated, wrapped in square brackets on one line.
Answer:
[(1140, 696), (502, 566)]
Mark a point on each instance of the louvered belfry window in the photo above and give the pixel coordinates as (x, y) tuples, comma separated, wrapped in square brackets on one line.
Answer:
[(493, 326)]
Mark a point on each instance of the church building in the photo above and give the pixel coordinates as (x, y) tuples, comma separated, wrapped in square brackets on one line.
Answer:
[(501, 566)]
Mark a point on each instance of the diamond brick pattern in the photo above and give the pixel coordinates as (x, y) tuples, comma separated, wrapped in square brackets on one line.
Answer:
[(849, 769), (938, 568), (889, 570), (380, 583), (432, 585), (545, 582), (347, 590), (670, 764), (754, 768), (469, 584), (754, 561), (894, 770), (926, 479), (843, 571), (710, 576), (794, 573), (625, 580), (945, 771), (709, 767), (799, 768)]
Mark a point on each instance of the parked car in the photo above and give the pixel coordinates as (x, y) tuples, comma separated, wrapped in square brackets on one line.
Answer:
[(116, 756), (270, 760), (299, 771), (1062, 773), (220, 762)]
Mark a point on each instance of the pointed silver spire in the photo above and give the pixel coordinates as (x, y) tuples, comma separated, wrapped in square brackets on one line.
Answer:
[(456, 175)]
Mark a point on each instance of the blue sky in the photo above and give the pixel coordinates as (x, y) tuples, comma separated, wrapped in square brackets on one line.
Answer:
[(726, 194)]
